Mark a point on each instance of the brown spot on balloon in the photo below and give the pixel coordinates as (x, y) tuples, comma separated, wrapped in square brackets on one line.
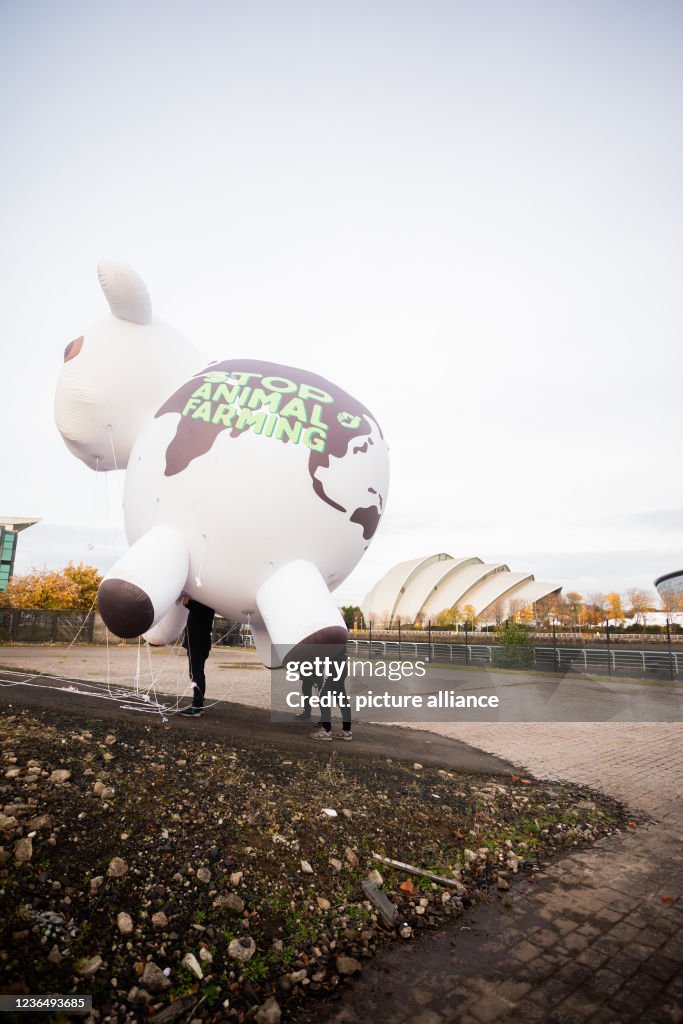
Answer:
[(73, 348), (368, 518)]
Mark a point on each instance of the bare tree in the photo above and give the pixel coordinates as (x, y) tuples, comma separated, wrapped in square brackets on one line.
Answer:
[(640, 602)]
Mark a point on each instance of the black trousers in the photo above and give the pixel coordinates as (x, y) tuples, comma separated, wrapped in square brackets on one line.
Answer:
[(197, 660)]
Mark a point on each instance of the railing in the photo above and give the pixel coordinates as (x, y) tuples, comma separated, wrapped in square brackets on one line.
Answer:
[(30, 626), (600, 660)]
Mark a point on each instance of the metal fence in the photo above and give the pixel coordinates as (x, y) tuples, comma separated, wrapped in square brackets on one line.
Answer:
[(597, 660), (29, 626)]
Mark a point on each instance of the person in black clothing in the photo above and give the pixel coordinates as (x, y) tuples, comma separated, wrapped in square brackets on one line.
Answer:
[(197, 643)]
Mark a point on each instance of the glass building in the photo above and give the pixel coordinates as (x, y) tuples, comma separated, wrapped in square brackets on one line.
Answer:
[(10, 528), (670, 585)]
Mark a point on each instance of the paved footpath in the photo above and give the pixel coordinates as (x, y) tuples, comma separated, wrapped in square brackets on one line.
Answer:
[(597, 937)]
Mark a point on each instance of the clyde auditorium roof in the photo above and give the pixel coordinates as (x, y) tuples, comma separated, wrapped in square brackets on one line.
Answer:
[(423, 587)]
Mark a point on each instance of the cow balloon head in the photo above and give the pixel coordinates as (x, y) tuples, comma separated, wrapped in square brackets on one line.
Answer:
[(251, 486), (117, 373)]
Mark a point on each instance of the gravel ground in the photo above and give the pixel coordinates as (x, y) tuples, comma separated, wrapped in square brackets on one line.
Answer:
[(176, 877)]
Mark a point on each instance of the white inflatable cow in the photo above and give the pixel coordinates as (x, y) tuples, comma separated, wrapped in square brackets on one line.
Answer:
[(253, 487)]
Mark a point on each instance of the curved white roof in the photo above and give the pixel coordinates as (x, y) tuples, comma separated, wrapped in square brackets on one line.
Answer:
[(423, 587)]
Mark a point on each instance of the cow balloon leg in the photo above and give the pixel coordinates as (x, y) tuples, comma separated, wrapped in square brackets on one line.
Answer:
[(145, 583), (169, 627), (298, 610)]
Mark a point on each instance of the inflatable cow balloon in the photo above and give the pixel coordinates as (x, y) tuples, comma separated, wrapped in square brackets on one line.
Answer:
[(252, 487)]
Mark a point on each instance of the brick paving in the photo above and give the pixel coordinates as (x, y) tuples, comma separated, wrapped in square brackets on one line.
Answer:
[(597, 937)]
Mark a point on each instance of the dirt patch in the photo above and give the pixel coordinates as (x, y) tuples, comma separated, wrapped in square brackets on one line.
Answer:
[(126, 845)]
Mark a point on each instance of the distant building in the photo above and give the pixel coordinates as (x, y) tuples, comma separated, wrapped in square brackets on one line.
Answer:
[(670, 585), (10, 527), (418, 590)]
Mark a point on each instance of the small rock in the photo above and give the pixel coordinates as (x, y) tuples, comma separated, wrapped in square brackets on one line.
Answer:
[(235, 878), (203, 875), (154, 978), (96, 882), (346, 812), (323, 903), (117, 867), (192, 964), (335, 864), (374, 876), (407, 887), (242, 949), (23, 850), (42, 822), (110, 740), (90, 967), (347, 965), (98, 788), (351, 857), (269, 1012), (405, 931), (54, 956), (159, 920), (7, 822), (419, 911), (124, 923), (4, 856), (205, 955), (231, 901), (417, 766), (60, 775), (306, 867), (298, 976), (501, 883)]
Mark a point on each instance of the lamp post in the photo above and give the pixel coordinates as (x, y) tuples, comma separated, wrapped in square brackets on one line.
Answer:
[(429, 637), (671, 656), (609, 653), (399, 638), (553, 623), (370, 639)]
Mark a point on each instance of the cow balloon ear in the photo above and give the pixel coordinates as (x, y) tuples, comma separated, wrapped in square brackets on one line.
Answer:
[(125, 291)]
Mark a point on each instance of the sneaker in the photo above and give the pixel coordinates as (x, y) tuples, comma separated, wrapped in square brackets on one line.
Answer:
[(322, 734), (192, 712), (345, 734)]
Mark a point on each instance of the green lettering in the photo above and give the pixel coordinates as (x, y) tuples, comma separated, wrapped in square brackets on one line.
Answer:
[(292, 430), (203, 392), (260, 400), (308, 391), (315, 417), (224, 414), (192, 403), (314, 439), (247, 419), (203, 412), (279, 384), (225, 394), (295, 407)]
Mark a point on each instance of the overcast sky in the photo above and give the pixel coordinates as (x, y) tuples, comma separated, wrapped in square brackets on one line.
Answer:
[(468, 215)]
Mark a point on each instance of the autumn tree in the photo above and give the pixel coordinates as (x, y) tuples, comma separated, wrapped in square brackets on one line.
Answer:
[(574, 602), (41, 588), (443, 619), (87, 579), (469, 616), (594, 610), (614, 607), (75, 586)]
